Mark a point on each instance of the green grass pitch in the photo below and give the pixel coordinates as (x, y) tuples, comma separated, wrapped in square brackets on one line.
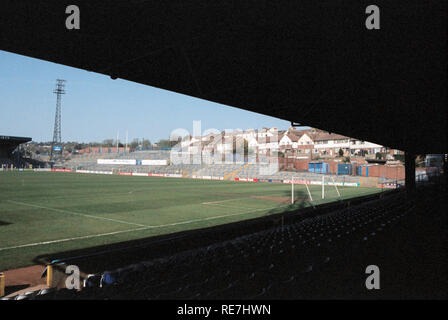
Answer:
[(45, 212)]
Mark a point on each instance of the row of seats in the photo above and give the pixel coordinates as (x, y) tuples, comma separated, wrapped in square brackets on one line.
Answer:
[(270, 264), (242, 170), (6, 162)]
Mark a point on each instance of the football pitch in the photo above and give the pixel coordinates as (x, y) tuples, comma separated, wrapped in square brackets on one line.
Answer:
[(43, 213)]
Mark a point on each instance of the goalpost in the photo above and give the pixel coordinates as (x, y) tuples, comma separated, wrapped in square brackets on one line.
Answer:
[(334, 184), (323, 187), (336, 187), (292, 190), (308, 189)]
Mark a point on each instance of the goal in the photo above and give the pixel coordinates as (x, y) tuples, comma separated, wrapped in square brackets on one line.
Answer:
[(325, 182)]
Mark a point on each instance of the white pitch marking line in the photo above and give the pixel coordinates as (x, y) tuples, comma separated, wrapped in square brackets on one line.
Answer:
[(216, 217), (71, 239), (228, 207), (132, 230), (233, 199), (76, 213)]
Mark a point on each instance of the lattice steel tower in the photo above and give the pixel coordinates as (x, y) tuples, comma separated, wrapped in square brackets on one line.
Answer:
[(57, 141)]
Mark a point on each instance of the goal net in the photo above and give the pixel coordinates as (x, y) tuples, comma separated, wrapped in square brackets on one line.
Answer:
[(317, 190)]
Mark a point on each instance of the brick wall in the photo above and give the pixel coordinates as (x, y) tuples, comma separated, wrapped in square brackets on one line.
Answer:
[(389, 172)]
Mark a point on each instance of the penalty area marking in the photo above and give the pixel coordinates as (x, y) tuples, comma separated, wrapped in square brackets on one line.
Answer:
[(71, 239), (227, 207), (219, 201), (218, 204), (76, 213), (132, 230)]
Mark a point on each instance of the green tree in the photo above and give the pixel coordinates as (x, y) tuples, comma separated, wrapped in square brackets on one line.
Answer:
[(134, 144), (399, 157), (146, 144), (165, 143), (108, 143), (246, 147), (79, 146)]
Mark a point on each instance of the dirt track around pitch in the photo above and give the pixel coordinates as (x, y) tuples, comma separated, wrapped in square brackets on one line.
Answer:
[(23, 278)]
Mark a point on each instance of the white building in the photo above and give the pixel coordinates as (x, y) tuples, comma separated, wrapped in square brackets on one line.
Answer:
[(358, 147), (330, 144)]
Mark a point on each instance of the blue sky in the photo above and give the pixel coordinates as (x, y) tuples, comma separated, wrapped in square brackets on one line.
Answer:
[(96, 107)]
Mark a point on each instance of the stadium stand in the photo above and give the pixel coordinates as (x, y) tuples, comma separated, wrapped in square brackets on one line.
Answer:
[(7, 145), (319, 256), (227, 171), (6, 162)]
